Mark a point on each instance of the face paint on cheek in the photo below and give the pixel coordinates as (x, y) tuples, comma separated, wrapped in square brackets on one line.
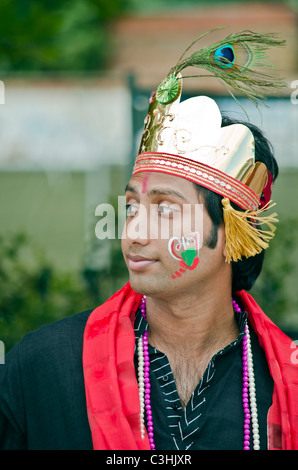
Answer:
[(186, 251)]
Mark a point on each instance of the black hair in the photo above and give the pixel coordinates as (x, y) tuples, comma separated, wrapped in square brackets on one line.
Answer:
[(245, 271)]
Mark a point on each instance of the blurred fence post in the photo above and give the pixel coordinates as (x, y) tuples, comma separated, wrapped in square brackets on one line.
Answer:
[(2, 352), (2, 92)]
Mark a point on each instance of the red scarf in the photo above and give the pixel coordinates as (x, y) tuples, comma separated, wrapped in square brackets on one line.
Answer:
[(112, 390)]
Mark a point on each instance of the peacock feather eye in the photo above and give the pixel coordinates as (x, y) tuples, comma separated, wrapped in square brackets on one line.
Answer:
[(231, 61), (224, 56)]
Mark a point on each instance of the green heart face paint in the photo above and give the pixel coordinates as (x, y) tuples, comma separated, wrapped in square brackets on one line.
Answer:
[(189, 255), (186, 251)]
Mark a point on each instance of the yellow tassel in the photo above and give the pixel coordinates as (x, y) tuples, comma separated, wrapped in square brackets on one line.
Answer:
[(243, 238)]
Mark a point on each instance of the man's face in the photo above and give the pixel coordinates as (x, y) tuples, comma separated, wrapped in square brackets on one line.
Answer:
[(163, 239)]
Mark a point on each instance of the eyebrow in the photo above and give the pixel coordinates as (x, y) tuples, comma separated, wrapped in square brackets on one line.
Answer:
[(157, 192)]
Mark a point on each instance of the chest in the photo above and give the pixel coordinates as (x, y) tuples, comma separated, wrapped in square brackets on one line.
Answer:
[(187, 372), (213, 415)]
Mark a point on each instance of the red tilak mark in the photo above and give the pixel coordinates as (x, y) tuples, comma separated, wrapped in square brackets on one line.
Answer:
[(182, 270), (145, 182)]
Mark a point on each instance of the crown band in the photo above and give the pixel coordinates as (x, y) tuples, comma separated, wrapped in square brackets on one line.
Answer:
[(199, 173)]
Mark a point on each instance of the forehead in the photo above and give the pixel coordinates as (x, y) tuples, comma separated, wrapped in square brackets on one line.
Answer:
[(145, 182)]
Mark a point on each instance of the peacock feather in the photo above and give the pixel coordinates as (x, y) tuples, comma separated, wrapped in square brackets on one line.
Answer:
[(232, 61)]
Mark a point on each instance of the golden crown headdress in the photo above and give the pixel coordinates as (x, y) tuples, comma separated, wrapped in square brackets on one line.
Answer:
[(186, 139)]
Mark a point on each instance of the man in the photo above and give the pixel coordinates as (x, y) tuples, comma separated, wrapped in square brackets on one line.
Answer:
[(181, 357)]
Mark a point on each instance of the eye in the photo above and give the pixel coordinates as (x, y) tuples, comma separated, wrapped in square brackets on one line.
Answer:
[(131, 210), (166, 209)]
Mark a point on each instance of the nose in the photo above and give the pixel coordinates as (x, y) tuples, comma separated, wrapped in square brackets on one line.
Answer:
[(136, 229)]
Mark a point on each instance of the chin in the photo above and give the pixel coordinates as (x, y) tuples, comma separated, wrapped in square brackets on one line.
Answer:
[(151, 286), (141, 286)]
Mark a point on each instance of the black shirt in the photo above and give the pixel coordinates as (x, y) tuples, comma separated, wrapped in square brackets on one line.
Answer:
[(43, 404), (42, 393), (213, 417)]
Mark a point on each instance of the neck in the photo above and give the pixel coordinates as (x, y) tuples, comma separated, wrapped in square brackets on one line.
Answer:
[(197, 323)]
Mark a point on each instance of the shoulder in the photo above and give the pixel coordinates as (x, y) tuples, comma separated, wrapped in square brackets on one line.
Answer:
[(43, 376), (64, 330), (51, 342)]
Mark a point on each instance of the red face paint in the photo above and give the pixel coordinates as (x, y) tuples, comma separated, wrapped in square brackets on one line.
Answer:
[(145, 182), (186, 251), (184, 267)]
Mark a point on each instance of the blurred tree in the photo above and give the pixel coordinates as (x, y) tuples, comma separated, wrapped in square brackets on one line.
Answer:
[(57, 35), (34, 293), (159, 5), (275, 289)]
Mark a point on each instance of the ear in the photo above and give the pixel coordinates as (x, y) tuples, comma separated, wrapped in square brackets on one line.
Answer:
[(225, 253), (222, 239)]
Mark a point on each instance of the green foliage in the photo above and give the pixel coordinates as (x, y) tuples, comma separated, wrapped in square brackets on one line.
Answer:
[(31, 292), (276, 288), (34, 293), (56, 35), (170, 5)]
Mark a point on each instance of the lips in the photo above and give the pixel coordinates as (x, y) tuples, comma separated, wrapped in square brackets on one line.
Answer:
[(139, 263)]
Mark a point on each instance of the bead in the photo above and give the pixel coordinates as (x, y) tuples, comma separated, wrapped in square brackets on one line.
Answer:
[(248, 387)]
